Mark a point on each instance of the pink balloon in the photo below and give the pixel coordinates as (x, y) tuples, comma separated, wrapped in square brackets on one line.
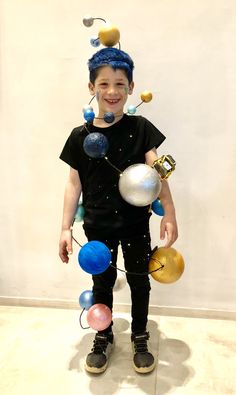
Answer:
[(99, 317)]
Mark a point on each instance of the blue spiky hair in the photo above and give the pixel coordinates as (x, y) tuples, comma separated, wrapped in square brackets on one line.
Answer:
[(116, 58)]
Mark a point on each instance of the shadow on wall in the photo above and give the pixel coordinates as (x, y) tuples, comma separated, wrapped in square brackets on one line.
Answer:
[(172, 372)]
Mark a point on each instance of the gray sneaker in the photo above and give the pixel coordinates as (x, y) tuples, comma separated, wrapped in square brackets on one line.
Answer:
[(143, 360), (97, 359)]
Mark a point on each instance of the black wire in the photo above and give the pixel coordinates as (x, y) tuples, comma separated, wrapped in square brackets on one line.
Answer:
[(125, 271), (100, 19), (91, 100), (80, 320), (139, 274), (76, 241)]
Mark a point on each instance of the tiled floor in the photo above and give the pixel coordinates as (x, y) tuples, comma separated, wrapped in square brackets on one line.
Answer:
[(42, 352)]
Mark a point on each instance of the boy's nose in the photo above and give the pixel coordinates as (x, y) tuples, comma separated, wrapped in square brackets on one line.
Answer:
[(112, 89)]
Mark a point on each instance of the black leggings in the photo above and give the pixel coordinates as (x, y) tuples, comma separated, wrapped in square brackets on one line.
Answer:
[(136, 250)]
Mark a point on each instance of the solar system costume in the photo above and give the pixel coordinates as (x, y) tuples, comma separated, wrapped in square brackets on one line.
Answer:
[(119, 190), (108, 217)]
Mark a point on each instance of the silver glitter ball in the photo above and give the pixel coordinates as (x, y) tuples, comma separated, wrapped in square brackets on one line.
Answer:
[(139, 185), (88, 20)]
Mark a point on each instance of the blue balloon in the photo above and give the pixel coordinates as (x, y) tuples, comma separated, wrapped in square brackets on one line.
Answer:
[(157, 207), (94, 257), (86, 300), (95, 145)]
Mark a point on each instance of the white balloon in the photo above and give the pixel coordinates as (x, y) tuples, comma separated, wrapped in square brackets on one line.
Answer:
[(139, 184)]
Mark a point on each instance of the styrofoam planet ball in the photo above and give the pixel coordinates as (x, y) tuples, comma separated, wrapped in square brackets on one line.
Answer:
[(89, 115), (79, 215), (173, 265), (157, 207), (94, 257), (95, 145), (86, 299), (99, 317), (88, 20), (139, 184), (109, 35), (146, 96)]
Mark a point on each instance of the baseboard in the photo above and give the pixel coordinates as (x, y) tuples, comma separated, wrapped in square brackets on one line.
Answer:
[(121, 307)]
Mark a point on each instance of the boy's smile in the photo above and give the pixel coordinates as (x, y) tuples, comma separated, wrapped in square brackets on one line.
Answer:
[(111, 88)]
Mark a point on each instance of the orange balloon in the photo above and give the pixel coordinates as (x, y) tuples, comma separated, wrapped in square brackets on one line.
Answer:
[(109, 35), (173, 265)]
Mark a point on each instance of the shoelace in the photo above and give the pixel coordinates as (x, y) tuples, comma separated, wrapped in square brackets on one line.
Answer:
[(140, 343), (100, 344)]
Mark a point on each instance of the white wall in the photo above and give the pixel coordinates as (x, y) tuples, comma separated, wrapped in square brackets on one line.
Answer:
[(184, 52)]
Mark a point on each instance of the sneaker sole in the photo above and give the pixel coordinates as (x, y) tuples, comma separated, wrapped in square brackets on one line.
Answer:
[(92, 369), (147, 369)]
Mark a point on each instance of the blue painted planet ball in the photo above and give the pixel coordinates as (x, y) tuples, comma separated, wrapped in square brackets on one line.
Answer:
[(86, 299), (157, 207), (94, 257), (89, 115), (109, 117), (96, 145), (95, 42)]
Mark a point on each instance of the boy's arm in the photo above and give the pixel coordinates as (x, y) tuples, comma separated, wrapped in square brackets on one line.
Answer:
[(71, 197), (168, 223)]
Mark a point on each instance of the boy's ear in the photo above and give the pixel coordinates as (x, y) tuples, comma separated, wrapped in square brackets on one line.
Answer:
[(91, 88), (131, 87)]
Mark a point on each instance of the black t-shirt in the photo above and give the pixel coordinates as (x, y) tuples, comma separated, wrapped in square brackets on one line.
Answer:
[(129, 139)]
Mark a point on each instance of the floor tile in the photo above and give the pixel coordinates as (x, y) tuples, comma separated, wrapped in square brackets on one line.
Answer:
[(42, 351)]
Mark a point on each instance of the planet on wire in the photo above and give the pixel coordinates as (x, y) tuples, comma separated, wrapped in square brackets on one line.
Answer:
[(99, 317), (96, 145), (172, 261), (139, 184), (86, 299), (94, 257)]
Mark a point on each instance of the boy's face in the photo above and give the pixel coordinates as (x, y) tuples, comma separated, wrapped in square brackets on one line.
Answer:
[(111, 88)]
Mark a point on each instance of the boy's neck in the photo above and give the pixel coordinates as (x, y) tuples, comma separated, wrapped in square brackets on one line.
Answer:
[(100, 123)]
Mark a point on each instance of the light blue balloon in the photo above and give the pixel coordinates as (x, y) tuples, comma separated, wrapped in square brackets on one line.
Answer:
[(157, 207), (79, 215), (86, 300), (131, 110)]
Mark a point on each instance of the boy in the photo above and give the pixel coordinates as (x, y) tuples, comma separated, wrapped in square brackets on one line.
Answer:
[(109, 218)]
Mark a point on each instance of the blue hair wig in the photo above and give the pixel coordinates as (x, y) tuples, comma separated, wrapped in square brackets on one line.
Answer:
[(113, 57)]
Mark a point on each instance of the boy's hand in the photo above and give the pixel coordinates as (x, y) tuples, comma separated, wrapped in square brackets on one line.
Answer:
[(65, 245), (169, 228)]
